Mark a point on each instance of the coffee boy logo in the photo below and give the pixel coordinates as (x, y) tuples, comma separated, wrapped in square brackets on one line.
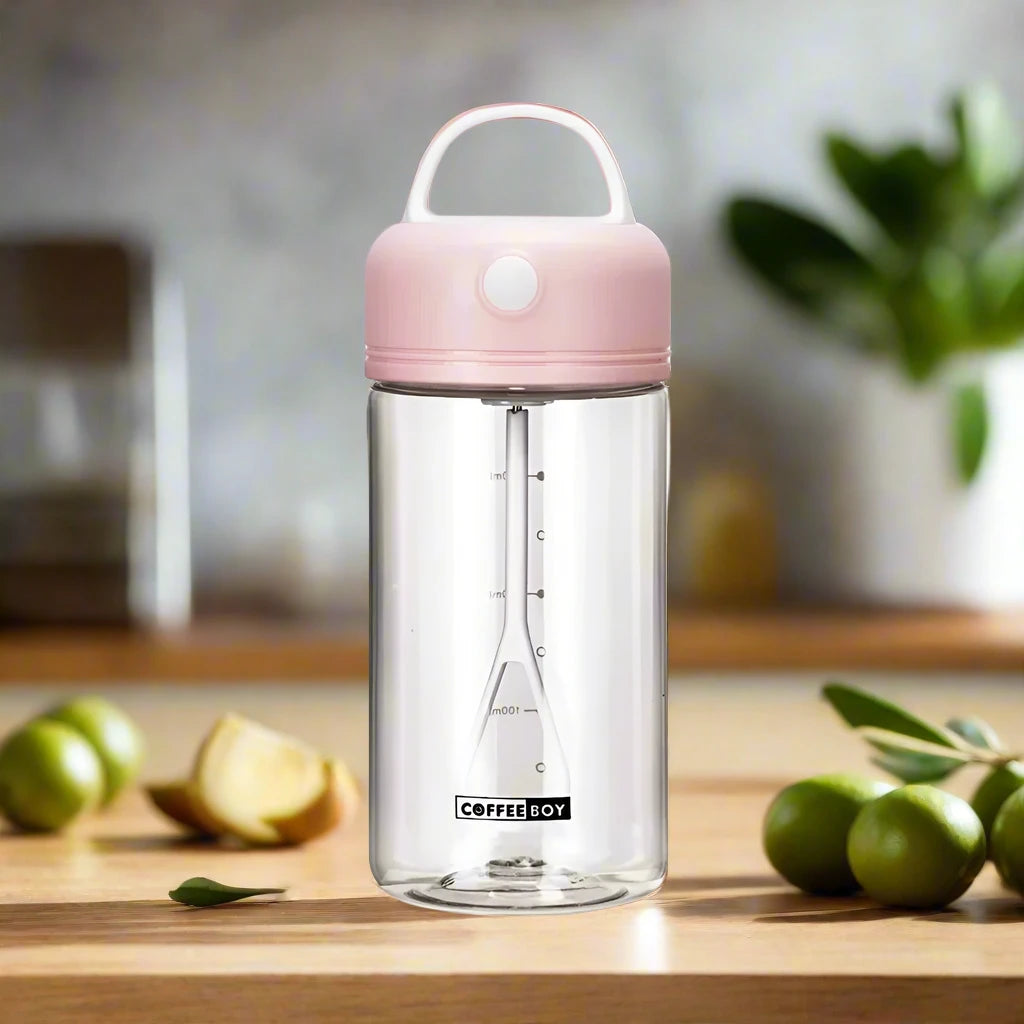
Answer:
[(529, 808)]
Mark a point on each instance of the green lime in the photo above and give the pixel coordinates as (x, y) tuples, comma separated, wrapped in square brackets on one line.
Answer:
[(48, 775), (113, 735), (991, 794), (917, 847), (806, 827), (1008, 842)]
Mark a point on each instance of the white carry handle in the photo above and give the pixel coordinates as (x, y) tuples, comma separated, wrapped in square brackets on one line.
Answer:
[(418, 207)]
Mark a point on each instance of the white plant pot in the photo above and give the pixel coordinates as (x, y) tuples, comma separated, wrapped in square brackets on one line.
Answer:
[(906, 530)]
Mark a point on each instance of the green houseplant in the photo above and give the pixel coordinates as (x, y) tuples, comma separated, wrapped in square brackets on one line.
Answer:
[(936, 271)]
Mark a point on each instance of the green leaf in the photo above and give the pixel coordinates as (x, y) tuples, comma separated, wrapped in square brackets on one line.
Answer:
[(897, 189), (913, 759), (888, 742), (977, 732), (991, 147), (970, 429), (805, 262), (204, 892), (999, 289), (860, 709), (931, 306), (911, 767)]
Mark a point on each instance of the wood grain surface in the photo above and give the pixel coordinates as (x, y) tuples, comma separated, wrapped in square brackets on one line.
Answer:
[(87, 934), (223, 651)]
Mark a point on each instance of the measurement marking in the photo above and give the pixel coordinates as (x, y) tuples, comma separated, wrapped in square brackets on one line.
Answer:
[(506, 709), (537, 476), (541, 651), (497, 476), (540, 535), (536, 593), (496, 594), (540, 766), (534, 710)]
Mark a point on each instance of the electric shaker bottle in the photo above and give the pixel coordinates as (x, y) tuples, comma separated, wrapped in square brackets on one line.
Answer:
[(518, 429)]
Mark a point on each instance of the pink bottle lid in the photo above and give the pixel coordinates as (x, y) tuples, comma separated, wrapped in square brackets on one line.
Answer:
[(518, 302)]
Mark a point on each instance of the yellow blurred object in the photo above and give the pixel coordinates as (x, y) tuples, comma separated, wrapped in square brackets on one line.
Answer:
[(730, 539)]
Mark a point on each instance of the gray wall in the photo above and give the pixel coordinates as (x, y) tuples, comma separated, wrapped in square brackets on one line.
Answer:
[(262, 144)]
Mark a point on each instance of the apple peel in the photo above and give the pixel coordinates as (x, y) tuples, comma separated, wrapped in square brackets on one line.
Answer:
[(178, 801), (336, 803)]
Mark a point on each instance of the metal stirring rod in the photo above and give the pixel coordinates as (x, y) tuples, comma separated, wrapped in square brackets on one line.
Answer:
[(515, 644)]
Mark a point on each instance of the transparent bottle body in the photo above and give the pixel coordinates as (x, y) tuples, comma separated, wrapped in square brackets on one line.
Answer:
[(518, 647)]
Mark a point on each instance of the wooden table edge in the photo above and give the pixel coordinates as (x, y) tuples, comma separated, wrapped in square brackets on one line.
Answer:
[(501, 998)]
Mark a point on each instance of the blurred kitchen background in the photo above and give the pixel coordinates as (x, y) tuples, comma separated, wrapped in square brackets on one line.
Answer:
[(242, 155)]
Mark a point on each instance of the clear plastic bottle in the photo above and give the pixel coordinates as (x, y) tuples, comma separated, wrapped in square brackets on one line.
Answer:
[(518, 478)]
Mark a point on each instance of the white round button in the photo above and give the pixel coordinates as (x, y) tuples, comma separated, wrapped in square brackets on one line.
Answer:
[(510, 283)]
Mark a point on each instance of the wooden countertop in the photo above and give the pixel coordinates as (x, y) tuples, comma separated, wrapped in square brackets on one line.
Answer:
[(87, 934), (824, 640)]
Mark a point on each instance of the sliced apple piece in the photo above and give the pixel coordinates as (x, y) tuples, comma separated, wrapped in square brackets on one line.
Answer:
[(247, 776), (178, 801), (347, 789)]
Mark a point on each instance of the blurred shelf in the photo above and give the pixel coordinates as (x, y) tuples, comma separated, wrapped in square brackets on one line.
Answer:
[(699, 641), (215, 652), (826, 640)]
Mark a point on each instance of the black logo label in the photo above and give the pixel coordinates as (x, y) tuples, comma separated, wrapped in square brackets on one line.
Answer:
[(527, 808)]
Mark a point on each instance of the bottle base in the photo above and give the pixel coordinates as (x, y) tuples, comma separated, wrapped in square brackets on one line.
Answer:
[(522, 885)]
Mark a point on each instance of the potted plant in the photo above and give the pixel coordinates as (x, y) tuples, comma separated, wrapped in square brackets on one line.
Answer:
[(929, 301)]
